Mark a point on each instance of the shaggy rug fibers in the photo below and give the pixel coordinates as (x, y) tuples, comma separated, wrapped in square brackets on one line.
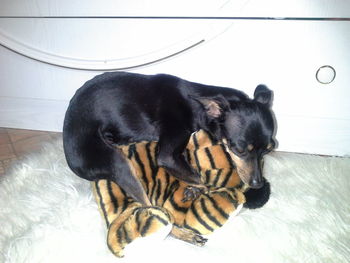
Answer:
[(49, 215)]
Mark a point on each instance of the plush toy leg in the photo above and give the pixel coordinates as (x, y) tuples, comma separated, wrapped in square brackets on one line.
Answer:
[(211, 211), (133, 223), (125, 218)]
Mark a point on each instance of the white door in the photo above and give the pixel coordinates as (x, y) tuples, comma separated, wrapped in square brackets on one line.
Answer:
[(50, 48)]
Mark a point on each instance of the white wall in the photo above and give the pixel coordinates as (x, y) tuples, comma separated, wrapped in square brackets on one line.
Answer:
[(284, 54)]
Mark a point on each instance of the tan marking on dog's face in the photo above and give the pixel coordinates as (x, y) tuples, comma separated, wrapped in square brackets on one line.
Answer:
[(244, 169), (250, 147)]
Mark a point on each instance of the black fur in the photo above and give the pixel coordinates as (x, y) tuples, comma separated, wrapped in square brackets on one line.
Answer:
[(119, 108)]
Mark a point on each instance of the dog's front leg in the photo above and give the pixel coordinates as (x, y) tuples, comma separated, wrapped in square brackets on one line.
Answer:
[(170, 156)]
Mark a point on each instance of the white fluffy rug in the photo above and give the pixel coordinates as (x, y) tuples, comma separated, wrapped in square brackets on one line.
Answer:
[(49, 215)]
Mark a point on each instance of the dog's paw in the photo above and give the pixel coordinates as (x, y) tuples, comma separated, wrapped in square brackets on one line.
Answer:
[(187, 235), (199, 240), (192, 192)]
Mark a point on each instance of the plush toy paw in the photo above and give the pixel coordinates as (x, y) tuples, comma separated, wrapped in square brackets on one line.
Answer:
[(210, 211), (148, 243), (141, 222)]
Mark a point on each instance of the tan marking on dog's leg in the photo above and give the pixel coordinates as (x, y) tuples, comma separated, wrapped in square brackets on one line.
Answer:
[(188, 236)]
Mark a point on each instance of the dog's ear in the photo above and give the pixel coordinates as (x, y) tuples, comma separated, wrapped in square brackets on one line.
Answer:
[(263, 95), (214, 106)]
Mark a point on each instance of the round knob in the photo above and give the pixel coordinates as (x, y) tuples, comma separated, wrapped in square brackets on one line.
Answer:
[(325, 74)]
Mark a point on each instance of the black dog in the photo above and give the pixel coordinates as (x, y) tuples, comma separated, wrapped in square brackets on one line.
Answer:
[(120, 107)]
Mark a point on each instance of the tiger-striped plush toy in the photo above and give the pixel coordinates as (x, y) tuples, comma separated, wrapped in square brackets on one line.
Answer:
[(127, 219)]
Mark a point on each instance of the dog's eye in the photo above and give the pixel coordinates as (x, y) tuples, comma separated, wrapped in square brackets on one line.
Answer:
[(240, 150), (241, 147)]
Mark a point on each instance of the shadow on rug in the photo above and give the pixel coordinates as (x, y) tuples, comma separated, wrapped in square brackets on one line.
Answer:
[(49, 215)]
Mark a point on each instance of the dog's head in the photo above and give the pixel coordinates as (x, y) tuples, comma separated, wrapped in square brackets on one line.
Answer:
[(247, 127), (249, 130)]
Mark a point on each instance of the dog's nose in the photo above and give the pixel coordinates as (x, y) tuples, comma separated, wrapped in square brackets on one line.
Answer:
[(256, 183)]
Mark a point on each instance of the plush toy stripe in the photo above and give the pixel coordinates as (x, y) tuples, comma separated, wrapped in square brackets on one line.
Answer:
[(111, 199), (128, 219)]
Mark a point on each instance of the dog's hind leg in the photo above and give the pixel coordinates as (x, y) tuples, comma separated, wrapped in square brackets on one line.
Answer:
[(123, 174), (93, 159)]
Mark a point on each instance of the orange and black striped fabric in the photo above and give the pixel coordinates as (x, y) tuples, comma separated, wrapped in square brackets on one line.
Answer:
[(127, 219)]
